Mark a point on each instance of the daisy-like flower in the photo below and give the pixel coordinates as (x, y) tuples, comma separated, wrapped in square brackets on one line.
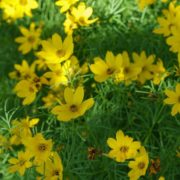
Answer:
[(21, 163), (108, 68), (143, 3), (65, 4), (174, 40), (74, 106), (30, 39), (82, 14), (55, 51), (139, 165), (53, 168), (173, 99), (123, 147), (39, 147), (145, 64)]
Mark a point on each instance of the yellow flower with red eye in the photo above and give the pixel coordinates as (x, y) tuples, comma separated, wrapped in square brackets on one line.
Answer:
[(123, 147), (21, 163), (173, 99), (52, 169), (65, 4), (81, 15), (108, 68), (30, 39), (139, 165), (74, 106), (55, 51), (39, 148)]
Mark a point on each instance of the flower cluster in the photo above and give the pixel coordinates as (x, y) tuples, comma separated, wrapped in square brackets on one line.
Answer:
[(124, 148)]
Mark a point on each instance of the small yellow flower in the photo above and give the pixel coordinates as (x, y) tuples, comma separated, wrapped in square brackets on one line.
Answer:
[(82, 14), (53, 168), (108, 68), (143, 3), (139, 165), (74, 107), (123, 147), (173, 99), (65, 4), (21, 163), (30, 39), (161, 178), (55, 51), (39, 147)]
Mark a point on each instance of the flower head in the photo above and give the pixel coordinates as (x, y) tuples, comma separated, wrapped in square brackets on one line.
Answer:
[(65, 4)]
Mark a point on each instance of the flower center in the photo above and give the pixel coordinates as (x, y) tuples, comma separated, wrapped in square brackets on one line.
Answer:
[(82, 20), (144, 68), (60, 53), (42, 147), (141, 165), (126, 70), (23, 2), (109, 71), (22, 162), (31, 39), (124, 149), (73, 108), (55, 173)]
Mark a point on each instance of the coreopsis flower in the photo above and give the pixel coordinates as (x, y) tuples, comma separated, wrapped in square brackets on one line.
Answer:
[(128, 71), (81, 15), (145, 64), (74, 106), (39, 147), (174, 40), (69, 24), (173, 99), (159, 72), (30, 39), (24, 71), (55, 51), (143, 3), (21, 163), (65, 4), (108, 68), (21, 129), (139, 165), (53, 168), (123, 147), (154, 166), (57, 75), (168, 21)]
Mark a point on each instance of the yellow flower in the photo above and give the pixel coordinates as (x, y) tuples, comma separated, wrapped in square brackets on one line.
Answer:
[(174, 40), (21, 129), (143, 3), (139, 165), (69, 24), (168, 21), (103, 70), (129, 71), (53, 169), (161, 178), (39, 147), (55, 51), (159, 72), (20, 164), (57, 75), (146, 65), (173, 99), (123, 147), (24, 71), (82, 14), (74, 107), (30, 39), (65, 4)]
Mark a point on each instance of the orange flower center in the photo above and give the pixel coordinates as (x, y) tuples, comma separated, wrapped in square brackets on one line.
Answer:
[(73, 108), (141, 165), (126, 70), (110, 71), (21, 162), (124, 149), (82, 20), (56, 173), (60, 53), (42, 147)]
